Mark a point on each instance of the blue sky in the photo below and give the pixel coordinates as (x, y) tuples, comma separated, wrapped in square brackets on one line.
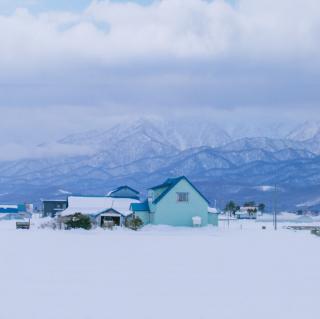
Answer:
[(8, 6)]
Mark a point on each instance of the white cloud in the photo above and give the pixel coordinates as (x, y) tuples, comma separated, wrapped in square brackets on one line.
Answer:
[(173, 28), (62, 72)]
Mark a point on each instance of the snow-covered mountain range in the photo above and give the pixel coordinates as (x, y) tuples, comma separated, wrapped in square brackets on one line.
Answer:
[(307, 131), (145, 152)]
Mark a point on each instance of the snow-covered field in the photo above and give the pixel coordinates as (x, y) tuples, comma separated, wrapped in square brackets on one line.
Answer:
[(238, 272)]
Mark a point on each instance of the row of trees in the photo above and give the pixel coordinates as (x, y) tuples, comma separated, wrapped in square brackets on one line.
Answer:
[(79, 220), (253, 208)]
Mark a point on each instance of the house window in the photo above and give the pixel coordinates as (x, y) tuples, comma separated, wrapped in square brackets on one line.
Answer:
[(182, 197)]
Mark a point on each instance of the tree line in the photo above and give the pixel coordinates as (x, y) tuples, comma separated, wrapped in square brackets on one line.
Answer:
[(253, 208)]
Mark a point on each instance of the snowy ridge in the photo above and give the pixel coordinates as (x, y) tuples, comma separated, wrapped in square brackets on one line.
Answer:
[(141, 153), (306, 131)]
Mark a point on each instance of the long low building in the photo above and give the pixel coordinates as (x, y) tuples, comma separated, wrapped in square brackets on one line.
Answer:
[(18, 211), (101, 209)]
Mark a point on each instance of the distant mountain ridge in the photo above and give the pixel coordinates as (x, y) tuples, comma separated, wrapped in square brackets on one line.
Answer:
[(145, 152), (181, 138), (307, 131)]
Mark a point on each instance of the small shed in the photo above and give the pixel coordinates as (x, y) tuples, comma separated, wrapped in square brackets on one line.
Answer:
[(52, 207), (213, 216)]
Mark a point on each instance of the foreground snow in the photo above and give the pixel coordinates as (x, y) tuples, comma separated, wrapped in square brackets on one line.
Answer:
[(160, 272)]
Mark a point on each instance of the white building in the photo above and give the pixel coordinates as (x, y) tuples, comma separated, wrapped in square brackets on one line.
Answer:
[(247, 212), (100, 208)]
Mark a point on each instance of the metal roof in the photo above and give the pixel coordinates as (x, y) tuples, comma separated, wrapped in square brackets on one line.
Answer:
[(124, 187), (140, 207), (170, 183), (9, 210)]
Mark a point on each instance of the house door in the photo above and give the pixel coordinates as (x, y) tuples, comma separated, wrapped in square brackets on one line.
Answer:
[(115, 220)]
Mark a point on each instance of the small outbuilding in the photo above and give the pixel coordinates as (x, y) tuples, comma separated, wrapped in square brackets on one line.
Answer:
[(247, 212), (52, 207), (18, 211)]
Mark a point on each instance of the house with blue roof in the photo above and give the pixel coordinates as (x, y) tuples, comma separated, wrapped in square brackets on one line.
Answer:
[(124, 192), (17, 211), (176, 202)]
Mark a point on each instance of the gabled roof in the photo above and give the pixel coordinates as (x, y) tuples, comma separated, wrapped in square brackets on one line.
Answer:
[(140, 207), (124, 187), (165, 184), (170, 183), (94, 205), (113, 193), (112, 210)]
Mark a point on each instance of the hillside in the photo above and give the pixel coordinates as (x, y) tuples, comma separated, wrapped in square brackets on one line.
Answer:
[(144, 153)]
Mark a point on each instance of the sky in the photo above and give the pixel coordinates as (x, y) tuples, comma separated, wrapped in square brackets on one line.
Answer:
[(9, 6), (68, 66)]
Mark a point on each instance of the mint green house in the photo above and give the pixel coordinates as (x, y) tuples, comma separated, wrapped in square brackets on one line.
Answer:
[(176, 202)]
